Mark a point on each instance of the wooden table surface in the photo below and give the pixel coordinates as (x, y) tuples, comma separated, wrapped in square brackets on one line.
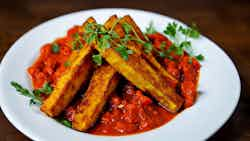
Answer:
[(224, 21)]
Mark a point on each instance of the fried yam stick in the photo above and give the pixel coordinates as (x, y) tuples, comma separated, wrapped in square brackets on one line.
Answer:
[(141, 74), (102, 84), (148, 56), (71, 81)]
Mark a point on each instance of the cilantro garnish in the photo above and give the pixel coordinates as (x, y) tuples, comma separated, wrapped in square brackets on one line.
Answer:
[(127, 28), (199, 57), (171, 29), (150, 29), (148, 47), (67, 63), (46, 89), (97, 58), (65, 122), (55, 48), (123, 51), (35, 97), (179, 47)]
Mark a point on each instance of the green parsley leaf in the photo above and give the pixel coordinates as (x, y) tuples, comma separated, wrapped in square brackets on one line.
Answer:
[(19, 88), (104, 42), (55, 48), (114, 35), (126, 38), (185, 44), (179, 51), (65, 122), (91, 38), (191, 32), (35, 102), (77, 43), (67, 64), (89, 28), (162, 54), (199, 57), (127, 28), (46, 89), (171, 48), (102, 30), (150, 29), (171, 29), (25, 92), (97, 58), (123, 51), (148, 47), (194, 33)]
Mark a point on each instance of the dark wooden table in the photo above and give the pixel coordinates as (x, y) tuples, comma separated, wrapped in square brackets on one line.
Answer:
[(226, 22)]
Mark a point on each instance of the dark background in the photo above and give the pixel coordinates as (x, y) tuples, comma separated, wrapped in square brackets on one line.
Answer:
[(225, 22)]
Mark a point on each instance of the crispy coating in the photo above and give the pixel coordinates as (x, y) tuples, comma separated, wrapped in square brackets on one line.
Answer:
[(140, 73), (71, 81), (102, 84), (148, 56)]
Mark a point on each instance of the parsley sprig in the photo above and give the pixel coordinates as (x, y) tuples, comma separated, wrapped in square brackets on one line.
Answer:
[(178, 47), (35, 98), (46, 89), (55, 48), (97, 58), (64, 122), (77, 43), (103, 38), (150, 29), (124, 52), (35, 94)]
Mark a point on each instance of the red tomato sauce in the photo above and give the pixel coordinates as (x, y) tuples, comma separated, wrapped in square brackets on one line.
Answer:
[(130, 111), (49, 66)]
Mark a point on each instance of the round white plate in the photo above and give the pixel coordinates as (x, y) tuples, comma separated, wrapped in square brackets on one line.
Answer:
[(219, 84)]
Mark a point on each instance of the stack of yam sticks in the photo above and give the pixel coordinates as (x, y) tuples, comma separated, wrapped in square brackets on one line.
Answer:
[(141, 69)]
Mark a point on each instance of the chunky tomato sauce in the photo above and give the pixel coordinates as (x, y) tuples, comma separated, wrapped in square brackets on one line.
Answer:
[(49, 66), (130, 111)]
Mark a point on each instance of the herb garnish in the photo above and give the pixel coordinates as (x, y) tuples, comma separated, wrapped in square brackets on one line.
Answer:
[(35, 97), (103, 38), (179, 47), (150, 29), (77, 43), (67, 63), (124, 52), (55, 48), (46, 89), (171, 29), (190, 32), (97, 58), (65, 122), (199, 57)]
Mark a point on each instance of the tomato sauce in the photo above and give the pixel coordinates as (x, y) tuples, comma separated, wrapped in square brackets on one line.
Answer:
[(130, 111), (49, 66)]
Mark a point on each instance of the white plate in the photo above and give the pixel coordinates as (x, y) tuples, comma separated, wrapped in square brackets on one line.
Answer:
[(219, 83)]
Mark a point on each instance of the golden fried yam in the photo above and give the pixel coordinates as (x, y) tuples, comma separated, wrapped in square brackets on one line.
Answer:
[(142, 74), (71, 81), (148, 56), (102, 84)]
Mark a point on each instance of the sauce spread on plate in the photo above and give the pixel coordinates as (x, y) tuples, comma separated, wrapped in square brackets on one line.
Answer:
[(130, 111)]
